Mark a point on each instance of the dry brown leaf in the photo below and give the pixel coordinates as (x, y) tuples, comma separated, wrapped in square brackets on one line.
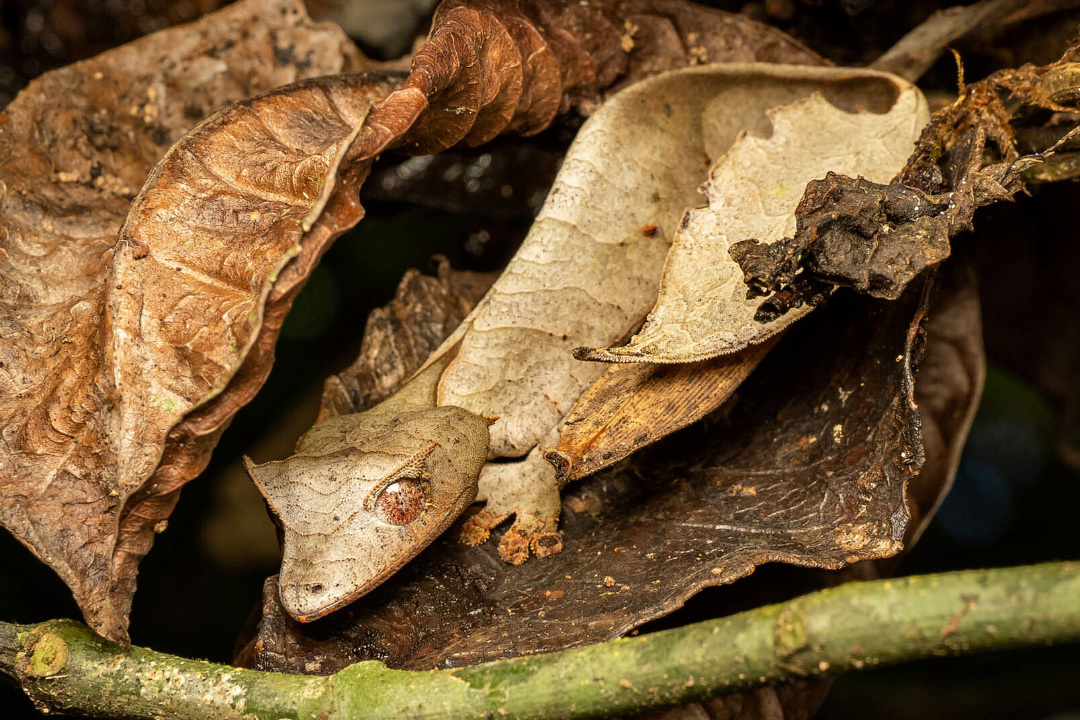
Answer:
[(635, 404), (126, 368), (809, 465), (75, 147), (753, 192)]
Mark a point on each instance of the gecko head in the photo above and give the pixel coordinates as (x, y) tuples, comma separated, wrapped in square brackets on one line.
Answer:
[(365, 494)]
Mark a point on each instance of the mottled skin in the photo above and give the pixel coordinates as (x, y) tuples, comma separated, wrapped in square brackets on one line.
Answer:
[(336, 494), (586, 273)]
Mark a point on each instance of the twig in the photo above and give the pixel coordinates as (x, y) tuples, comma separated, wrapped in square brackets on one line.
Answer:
[(63, 666), (914, 53)]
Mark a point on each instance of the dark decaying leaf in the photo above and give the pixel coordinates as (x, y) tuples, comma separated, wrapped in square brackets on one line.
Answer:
[(850, 212), (74, 148), (808, 465), (877, 238), (125, 365)]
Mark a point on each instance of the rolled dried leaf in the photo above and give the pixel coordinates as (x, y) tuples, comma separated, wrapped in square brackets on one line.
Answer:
[(75, 147)]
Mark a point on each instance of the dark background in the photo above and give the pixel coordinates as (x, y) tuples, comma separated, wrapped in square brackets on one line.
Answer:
[(1014, 501)]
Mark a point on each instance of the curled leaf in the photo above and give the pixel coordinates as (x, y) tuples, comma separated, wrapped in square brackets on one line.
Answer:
[(75, 147)]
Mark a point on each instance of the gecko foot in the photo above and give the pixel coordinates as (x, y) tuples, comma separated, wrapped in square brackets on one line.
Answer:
[(528, 491)]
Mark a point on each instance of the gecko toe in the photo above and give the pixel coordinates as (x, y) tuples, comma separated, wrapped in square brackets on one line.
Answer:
[(477, 529), (514, 546), (546, 544), (532, 534)]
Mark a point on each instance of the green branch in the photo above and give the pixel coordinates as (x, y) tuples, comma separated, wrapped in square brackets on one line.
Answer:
[(62, 665)]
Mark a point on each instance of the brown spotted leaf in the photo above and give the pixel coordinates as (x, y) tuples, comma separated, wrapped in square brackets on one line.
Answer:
[(807, 465), (128, 355), (75, 147)]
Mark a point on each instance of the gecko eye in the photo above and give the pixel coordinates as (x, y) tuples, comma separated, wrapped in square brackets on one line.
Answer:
[(400, 502)]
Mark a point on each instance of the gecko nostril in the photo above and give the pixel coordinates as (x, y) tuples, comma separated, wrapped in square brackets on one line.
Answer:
[(315, 588)]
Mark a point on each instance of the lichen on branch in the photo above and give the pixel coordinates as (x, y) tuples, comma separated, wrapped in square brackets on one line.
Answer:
[(63, 666)]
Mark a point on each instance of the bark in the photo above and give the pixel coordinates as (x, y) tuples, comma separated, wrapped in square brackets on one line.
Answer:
[(63, 666)]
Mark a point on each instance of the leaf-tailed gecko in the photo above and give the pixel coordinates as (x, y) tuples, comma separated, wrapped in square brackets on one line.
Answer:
[(365, 493)]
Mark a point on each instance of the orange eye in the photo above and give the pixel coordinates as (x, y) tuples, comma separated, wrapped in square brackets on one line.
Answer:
[(401, 502)]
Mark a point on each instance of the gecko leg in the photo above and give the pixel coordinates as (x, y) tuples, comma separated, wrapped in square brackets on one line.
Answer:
[(529, 491)]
